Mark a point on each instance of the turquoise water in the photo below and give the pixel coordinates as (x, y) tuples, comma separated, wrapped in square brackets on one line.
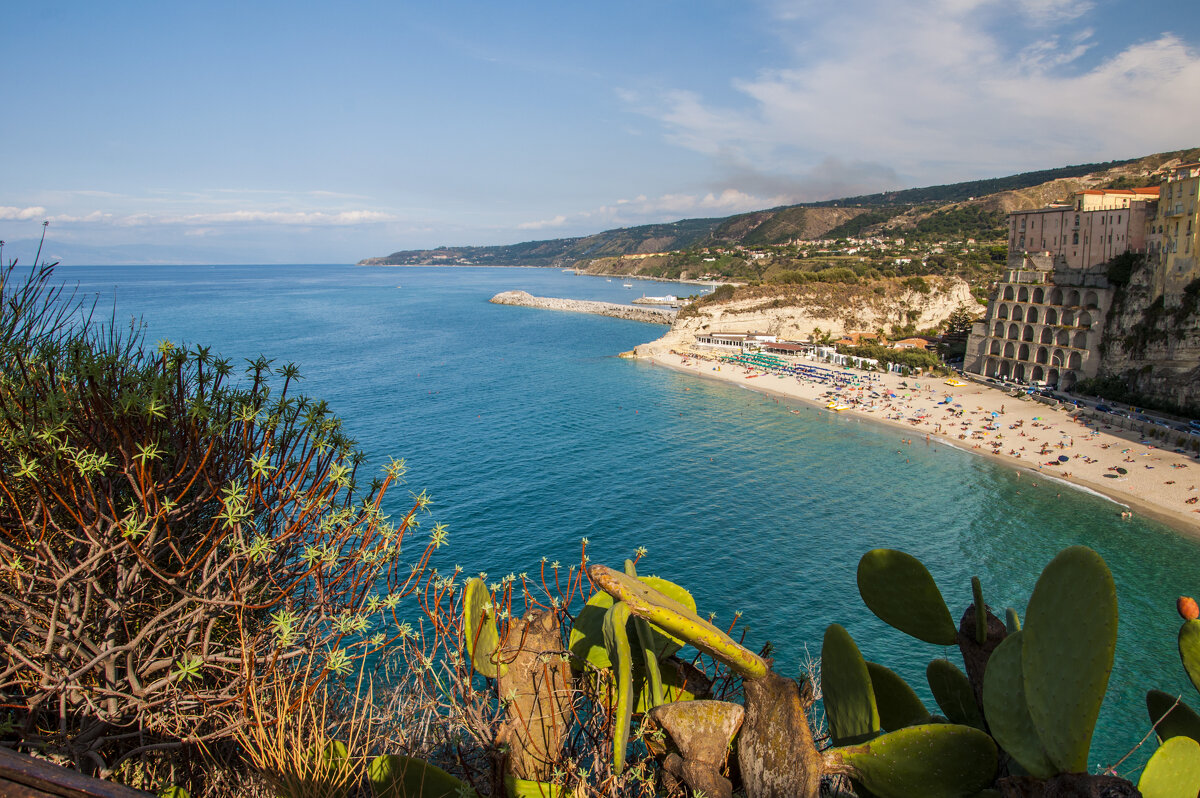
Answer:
[(530, 434)]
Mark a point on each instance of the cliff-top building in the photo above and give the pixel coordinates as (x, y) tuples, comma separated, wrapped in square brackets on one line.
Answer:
[(1174, 235)]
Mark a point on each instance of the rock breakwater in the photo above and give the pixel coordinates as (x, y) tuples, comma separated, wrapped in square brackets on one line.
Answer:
[(525, 299)]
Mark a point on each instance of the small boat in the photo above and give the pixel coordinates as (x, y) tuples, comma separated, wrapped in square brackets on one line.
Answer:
[(627, 285)]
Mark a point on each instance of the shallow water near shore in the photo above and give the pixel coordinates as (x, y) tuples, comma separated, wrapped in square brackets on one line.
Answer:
[(530, 434)]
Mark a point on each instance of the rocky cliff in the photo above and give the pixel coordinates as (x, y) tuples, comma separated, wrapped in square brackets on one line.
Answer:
[(796, 312)]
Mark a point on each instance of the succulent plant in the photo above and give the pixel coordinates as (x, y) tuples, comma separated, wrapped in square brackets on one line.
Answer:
[(1006, 710), (899, 589), (395, 776), (1187, 608), (932, 761), (1189, 650), (953, 693), (617, 640), (1171, 717), (896, 701), (1173, 771), (850, 704), (479, 629)]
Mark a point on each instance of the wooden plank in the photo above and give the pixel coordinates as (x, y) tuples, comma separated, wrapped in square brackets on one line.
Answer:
[(23, 776)]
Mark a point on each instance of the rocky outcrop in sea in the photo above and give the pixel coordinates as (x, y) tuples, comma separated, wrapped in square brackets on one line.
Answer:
[(525, 299)]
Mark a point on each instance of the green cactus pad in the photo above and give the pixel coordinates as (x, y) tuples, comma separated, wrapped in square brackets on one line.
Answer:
[(1189, 650), (677, 619), (522, 788), (932, 761), (1173, 771), (1170, 719), (1067, 651), (616, 637), (1012, 621), (672, 688), (846, 685), (980, 611), (394, 776), (653, 677), (586, 642), (1006, 711), (896, 701), (899, 589), (479, 629), (953, 693)]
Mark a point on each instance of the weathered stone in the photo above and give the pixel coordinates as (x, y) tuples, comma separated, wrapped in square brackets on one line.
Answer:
[(525, 299)]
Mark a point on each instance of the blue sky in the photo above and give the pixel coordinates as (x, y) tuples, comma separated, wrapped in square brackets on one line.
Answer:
[(283, 132)]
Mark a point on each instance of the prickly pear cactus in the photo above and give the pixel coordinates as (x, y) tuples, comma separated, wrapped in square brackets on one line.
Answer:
[(677, 620), (616, 638), (932, 761), (1012, 621), (899, 589), (649, 658), (1171, 717), (953, 693), (846, 684), (479, 629), (1006, 711), (980, 611), (896, 701), (587, 632), (1067, 650), (1189, 650), (1173, 771), (395, 776)]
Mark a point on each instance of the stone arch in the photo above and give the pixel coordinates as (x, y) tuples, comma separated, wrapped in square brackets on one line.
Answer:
[(1032, 316), (996, 345), (1023, 352), (1051, 316), (1039, 374), (1047, 336), (1091, 301), (1009, 349), (1008, 292), (1039, 295), (1068, 318), (1063, 338), (1018, 313), (1072, 298), (998, 330), (1019, 372), (1056, 296), (1067, 381), (1027, 334), (1085, 319), (1014, 332), (1079, 341), (1074, 360), (1023, 294), (1005, 370), (1043, 354), (991, 368), (1002, 311), (1057, 358)]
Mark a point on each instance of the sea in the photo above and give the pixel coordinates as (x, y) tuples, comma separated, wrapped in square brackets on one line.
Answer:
[(531, 434)]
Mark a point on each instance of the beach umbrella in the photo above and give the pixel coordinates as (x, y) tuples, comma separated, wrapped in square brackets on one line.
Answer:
[(1121, 470), (1062, 458)]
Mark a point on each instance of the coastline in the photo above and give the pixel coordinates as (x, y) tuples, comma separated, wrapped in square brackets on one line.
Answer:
[(1158, 482)]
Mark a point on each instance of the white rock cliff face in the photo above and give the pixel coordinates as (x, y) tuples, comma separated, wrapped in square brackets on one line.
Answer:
[(831, 309)]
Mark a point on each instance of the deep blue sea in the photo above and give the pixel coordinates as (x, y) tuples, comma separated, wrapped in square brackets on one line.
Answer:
[(531, 434)]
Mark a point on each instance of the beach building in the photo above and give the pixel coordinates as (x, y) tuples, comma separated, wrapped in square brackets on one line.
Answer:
[(1174, 231), (1096, 226)]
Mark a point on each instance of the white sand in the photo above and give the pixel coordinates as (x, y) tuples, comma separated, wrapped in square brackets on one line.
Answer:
[(1028, 435)]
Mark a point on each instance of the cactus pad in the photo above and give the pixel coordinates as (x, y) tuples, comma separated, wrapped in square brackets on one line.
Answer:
[(479, 629), (1067, 651), (899, 589), (896, 701), (522, 788), (1173, 771), (586, 642), (394, 776), (677, 619), (933, 761), (1006, 711), (846, 684), (1189, 650), (953, 693), (1012, 621), (616, 637), (1171, 719)]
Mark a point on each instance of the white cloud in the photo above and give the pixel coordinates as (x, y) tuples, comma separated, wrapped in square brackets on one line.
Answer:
[(284, 218), (929, 88), (9, 213), (557, 221)]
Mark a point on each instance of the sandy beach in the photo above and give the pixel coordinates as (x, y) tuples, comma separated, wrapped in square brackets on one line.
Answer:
[(1044, 441)]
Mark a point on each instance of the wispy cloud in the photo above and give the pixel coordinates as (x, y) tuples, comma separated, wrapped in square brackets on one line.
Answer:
[(9, 213), (557, 221), (935, 91), (287, 218)]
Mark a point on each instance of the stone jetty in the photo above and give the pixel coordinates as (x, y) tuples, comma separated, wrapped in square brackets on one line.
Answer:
[(525, 299)]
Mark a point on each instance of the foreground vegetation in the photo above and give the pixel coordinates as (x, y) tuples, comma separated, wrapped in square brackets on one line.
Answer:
[(195, 589)]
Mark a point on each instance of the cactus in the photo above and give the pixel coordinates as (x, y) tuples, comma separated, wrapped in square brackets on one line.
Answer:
[(1173, 771), (953, 693), (896, 701), (1189, 650), (1006, 710), (524, 788), (980, 611), (653, 675), (932, 761), (676, 619), (899, 589), (1067, 653), (586, 642), (394, 776), (1012, 621), (479, 629), (846, 684), (616, 637), (1171, 717)]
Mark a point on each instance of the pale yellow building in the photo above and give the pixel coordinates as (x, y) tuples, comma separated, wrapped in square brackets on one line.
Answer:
[(1094, 228), (1174, 232)]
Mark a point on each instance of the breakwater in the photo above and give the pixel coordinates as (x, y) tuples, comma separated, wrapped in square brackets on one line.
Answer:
[(525, 299)]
